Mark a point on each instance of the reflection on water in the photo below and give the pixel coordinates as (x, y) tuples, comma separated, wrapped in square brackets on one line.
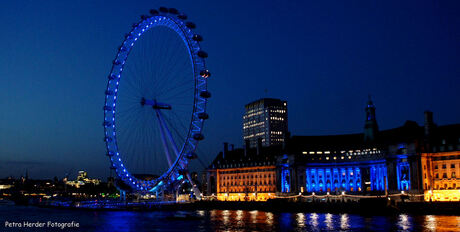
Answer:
[(313, 220), (225, 216), (229, 220), (328, 221), (269, 220), (344, 222), (430, 222), (404, 222), (300, 220)]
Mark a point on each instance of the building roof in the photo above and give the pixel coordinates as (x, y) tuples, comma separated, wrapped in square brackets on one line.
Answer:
[(409, 132), (445, 138), (266, 101), (237, 157)]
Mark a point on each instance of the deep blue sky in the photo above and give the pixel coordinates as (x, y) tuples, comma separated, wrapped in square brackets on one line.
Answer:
[(323, 57)]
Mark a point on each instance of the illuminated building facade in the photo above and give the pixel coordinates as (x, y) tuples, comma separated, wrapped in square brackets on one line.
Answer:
[(243, 175), (265, 121), (441, 164), (372, 161)]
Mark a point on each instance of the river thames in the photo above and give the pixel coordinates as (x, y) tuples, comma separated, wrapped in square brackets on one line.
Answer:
[(217, 220)]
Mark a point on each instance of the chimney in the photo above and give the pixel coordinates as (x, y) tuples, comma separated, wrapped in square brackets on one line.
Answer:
[(246, 147), (259, 146), (428, 123), (224, 153), (232, 147)]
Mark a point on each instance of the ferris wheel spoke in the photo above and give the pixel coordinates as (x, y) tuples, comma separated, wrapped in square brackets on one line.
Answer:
[(129, 81), (175, 95), (167, 90)]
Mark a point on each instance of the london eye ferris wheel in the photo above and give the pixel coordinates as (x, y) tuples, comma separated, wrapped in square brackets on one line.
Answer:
[(155, 101)]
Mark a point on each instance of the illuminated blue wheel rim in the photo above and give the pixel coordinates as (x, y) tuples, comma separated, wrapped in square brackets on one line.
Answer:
[(119, 141)]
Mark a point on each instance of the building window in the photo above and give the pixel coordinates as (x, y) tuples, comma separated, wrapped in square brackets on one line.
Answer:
[(444, 175), (452, 166), (453, 175), (444, 166), (435, 166), (437, 175)]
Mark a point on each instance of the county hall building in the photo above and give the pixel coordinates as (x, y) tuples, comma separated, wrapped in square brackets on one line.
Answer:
[(412, 158)]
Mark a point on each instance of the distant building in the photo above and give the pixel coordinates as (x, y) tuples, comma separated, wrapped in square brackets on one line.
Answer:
[(6, 183), (441, 162), (83, 179), (243, 174), (265, 121)]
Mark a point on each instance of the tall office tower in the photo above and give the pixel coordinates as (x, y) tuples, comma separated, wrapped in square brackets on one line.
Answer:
[(265, 121)]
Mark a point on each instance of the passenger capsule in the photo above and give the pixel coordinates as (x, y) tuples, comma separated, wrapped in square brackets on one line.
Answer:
[(144, 17), (202, 54), (205, 94), (107, 123), (110, 154), (153, 12), (205, 73), (109, 92), (107, 108), (190, 25), (135, 25), (173, 11), (203, 115), (112, 77), (108, 139), (116, 62), (182, 16), (163, 9), (198, 137), (191, 155), (197, 38)]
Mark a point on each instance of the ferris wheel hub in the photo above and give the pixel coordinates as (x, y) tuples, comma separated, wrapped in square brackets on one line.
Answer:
[(155, 104)]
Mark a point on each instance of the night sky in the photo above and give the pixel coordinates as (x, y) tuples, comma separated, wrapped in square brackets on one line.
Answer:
[(323, 57)]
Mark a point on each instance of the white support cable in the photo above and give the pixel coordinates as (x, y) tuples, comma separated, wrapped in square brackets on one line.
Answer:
[(163, 139)]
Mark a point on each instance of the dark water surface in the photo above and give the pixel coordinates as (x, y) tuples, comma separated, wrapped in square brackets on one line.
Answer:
[(221, 220)]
